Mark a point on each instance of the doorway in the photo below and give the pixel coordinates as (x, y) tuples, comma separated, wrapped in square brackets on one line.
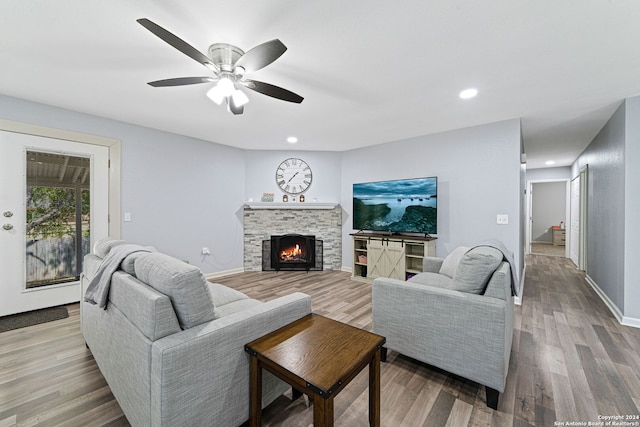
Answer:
[(49, 205), (548, 208)]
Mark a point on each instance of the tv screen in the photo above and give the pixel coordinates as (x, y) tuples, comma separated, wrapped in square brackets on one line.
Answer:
[(398, 206)]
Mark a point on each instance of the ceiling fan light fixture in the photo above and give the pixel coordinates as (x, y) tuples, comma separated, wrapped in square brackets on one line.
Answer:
[(226, 86), (239, 98), (215, 94)]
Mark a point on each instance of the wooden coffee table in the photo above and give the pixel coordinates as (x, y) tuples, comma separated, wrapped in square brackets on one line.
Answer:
[(318, 356)]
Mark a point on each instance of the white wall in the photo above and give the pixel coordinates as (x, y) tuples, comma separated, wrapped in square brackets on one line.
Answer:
[(478, 172)]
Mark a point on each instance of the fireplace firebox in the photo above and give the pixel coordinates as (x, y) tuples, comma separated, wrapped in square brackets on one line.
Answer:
[(292, 252)]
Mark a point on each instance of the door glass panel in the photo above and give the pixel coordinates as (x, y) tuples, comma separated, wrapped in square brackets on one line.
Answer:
[(58, 217)]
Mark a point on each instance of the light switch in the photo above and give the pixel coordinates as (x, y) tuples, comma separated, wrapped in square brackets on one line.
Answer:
[(127, 216), (503, 219)]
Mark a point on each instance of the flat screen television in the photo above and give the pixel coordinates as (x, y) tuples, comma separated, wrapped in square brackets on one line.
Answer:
[(398, 206)]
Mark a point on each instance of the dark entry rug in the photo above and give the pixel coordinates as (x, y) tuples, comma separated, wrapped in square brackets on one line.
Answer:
[(30, 318)]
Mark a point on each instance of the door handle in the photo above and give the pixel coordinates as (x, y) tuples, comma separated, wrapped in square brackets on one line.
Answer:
[(7, 227), (7, 214)]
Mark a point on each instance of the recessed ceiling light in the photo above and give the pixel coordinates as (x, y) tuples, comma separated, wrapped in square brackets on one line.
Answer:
[(468, 93), (550, 162), (292, 140)]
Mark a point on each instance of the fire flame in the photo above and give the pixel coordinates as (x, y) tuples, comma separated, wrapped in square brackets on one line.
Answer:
[(291, 253)]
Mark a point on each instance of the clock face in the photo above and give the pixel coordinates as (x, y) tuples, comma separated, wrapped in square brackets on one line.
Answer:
[(293, 176)]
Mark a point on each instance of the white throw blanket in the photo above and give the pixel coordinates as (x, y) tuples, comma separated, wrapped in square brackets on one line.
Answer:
[(98, 289)]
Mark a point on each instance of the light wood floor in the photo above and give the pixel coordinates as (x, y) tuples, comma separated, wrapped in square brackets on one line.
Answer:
[(548, 249), (571, 361)]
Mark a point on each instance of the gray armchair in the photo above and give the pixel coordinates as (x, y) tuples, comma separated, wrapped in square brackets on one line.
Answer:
[(460, 321)]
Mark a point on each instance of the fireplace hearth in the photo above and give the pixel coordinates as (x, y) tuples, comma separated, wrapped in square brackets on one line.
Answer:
[(291, 252)]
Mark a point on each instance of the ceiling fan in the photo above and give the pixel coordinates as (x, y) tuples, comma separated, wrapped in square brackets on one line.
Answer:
[(229, 65)]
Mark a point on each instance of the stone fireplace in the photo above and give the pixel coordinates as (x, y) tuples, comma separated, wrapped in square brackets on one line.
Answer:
[(321, 221)]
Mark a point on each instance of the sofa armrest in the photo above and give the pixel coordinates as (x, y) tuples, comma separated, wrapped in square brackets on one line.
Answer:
[(431, 264), (201, 374), (466, 334)]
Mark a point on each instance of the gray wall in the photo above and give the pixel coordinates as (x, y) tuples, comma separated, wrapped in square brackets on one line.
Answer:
[(605, 158), (549, 174), (261, 169), (479, 176), (632, 210), (185, 193), (548, 208), (182, 193)]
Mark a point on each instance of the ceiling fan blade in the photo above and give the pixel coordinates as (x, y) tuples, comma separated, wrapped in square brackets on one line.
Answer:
[(178, 43), (261, 55), (181, 81), (232, 107), (273, 91)]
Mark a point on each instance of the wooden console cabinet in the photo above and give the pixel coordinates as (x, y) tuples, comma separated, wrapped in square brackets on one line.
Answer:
[(396, 257)]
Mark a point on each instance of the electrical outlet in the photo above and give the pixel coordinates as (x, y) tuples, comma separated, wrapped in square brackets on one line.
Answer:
[(206, 251), (502, 219)]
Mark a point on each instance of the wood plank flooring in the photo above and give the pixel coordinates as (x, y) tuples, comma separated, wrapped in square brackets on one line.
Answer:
[(571, 361)]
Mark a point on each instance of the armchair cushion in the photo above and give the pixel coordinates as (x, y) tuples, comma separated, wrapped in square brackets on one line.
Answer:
[(476, 268), (451, 262), (432, 279)]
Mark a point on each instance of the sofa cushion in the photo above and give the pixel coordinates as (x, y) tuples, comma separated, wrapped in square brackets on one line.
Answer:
[(183, 283), (102, 247), (475, 269), (222, 295), (128, 264), (451, 262), (235, 307)]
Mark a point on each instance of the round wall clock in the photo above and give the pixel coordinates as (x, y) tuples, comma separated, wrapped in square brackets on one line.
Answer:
[(293, 176)]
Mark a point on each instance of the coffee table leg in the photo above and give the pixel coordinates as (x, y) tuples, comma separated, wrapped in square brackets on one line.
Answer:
[(255, 393), (322, 411), (374, 390)]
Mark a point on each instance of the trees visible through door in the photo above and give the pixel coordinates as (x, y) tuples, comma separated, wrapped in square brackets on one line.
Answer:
[(57, 217)]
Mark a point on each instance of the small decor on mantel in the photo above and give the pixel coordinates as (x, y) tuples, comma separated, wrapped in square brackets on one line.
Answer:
[(267, 197), (285, 198), (302, 197)]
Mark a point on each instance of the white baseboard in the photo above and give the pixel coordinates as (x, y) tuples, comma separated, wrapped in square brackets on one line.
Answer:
[(347, 269), (630, 321), (622, 319), (224, 273)]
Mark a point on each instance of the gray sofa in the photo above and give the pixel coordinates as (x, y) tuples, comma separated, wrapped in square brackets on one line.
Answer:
[(457, 315), (171, 345)]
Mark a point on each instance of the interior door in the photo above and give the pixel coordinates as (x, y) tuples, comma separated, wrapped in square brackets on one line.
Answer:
[(574, 233), (15, 297)]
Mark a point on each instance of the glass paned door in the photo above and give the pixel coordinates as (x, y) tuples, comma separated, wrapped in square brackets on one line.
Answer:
[(57, 217), (51, 182)]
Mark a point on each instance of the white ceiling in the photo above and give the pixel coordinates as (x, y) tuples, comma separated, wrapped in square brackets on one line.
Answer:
[(370, 71)]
